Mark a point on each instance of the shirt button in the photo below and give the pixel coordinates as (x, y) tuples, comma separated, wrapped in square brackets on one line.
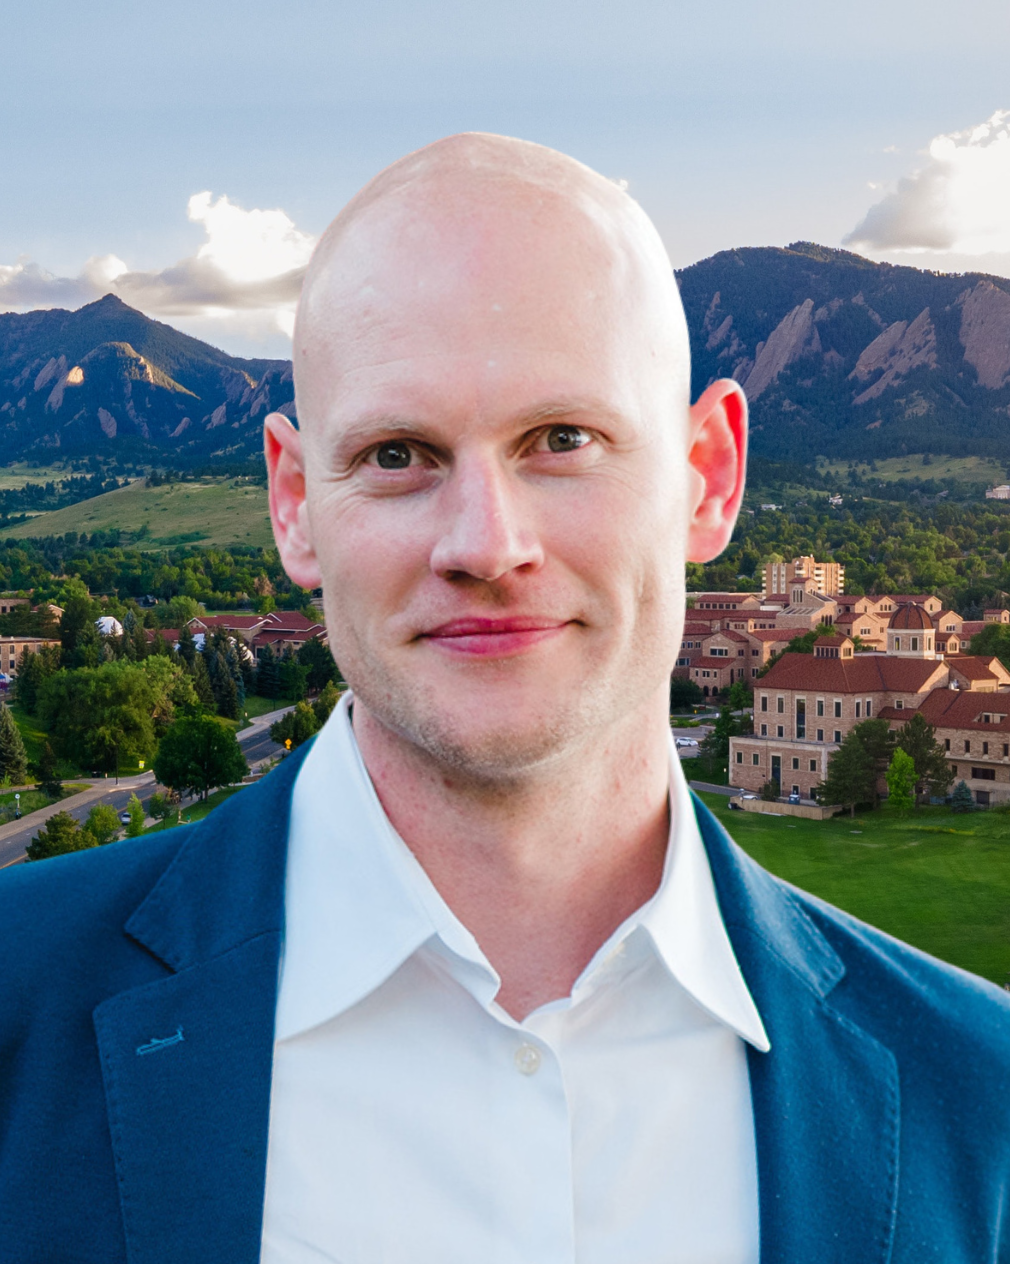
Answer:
[(527, 1060)]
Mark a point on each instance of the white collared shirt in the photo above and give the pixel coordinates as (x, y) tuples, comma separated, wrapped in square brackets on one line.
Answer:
[(413, 1121)]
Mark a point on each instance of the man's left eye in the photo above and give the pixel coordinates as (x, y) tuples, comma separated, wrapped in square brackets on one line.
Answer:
[(567, 438)]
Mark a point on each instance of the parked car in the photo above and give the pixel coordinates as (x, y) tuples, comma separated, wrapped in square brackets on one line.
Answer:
[(685, 741), (124, 818), (794, 797)]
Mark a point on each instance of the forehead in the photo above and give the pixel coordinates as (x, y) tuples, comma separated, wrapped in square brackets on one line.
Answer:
[(449, 284)]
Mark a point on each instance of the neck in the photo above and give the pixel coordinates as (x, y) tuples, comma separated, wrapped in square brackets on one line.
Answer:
[(543, 875)]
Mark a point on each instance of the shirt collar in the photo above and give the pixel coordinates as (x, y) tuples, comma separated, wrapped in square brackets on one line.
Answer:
[(358, 903)]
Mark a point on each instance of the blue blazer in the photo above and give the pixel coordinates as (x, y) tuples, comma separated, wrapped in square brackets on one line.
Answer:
[(137, 992)]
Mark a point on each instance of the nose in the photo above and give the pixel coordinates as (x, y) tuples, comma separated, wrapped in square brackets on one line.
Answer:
[(486, 530)]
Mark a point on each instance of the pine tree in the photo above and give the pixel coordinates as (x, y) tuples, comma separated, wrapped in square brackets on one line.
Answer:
[(13, 760), (267, 674), (187, 645), (852, 776), (60, 834), (202, 687), (917, 738), (226, 696), (961, 800), (49, 779)]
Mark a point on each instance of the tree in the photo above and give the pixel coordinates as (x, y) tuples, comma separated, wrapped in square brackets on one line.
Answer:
[(993, 642), (33, 669), (49, 780), (740, 696), (901, 781), (852, 775), (295, 726), (78, 634), (60, 834), (137, 816), (13, 760), (325, 703), (317, 658), (770, 791), (917, 738), (197, 754), (202, 687), (267, 674), (102, 716), (102, 824), (187, 645), (961, 800), (878, 742), (684, 693), (716, 744), (292, 678)]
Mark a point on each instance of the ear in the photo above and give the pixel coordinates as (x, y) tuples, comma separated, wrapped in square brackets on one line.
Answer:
[(717, 454), (288, 510)]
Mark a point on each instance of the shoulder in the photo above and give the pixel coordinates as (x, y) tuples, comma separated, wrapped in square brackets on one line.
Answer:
[(910, 994)]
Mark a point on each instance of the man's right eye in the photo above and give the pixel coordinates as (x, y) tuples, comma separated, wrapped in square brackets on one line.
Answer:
[(393, 455)]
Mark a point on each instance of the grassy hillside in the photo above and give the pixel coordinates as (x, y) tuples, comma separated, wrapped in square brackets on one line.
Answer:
[(212, 512), (936, 879), (960, 469)]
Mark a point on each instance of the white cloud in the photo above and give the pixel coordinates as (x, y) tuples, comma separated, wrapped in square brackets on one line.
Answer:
[(958, 202), (245, 278)]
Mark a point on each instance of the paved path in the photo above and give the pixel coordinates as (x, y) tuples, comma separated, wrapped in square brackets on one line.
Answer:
[(16, 835)]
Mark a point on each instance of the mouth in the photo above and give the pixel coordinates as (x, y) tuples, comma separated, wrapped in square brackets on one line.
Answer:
[(493, 638)]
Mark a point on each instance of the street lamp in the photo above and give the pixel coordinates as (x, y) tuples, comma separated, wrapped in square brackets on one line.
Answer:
[(17, 807)]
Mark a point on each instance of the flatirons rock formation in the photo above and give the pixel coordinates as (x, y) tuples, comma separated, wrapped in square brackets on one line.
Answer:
[(106, 378), (843, 357)]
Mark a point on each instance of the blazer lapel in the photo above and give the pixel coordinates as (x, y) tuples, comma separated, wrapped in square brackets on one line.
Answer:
[(826, 1096), (187, 1059)]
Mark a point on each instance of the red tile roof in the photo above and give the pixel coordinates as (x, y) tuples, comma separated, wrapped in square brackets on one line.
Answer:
[(707, 661), (237, 621), (864, 673), (976, 667), (696, 629), (960, 709), (972, 627), (785, 635)]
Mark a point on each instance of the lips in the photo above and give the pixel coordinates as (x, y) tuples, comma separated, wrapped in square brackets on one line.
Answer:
[(493, 638)]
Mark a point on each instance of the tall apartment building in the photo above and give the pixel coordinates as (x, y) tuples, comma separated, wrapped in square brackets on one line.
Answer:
[(827, 577)]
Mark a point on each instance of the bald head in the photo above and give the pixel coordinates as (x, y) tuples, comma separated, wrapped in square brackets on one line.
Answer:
[(496, 228)]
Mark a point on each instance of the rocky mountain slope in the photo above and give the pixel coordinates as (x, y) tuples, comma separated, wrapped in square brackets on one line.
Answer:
[(108, 378), (847, 358), (839, 357)]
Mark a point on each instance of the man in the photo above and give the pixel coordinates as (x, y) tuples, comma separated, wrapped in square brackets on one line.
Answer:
[(531, 1003)]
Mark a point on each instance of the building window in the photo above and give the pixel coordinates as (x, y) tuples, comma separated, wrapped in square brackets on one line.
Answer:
[(857, 710), (801, 717), (897, 644), (946, 743), (1006, 750), (813, 765), (796, 764), (929, 642), (820, 706), (780, 705), (984, 774), (838, 735), (781, 732), (899, 704), (985, 748), (764, 702), (820, 735), (796, 789), (764, 730), (915, 642), (739, 757), (755, 759), (869, 707), (967, 746), (838, 708)]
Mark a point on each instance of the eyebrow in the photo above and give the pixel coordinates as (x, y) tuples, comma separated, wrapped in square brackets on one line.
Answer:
[(374, 426)]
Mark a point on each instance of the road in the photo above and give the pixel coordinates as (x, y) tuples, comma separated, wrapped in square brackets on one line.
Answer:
[(15, 836)]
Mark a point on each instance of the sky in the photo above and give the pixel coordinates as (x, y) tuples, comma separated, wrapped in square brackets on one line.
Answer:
[(186, 156)]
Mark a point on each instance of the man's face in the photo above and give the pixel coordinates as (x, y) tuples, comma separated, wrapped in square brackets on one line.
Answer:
[(496, 485)]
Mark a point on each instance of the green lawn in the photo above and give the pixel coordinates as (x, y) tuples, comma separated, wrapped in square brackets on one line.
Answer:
[(938, 879), (197, 811), (31, 801), (255, 705), (972, 469)]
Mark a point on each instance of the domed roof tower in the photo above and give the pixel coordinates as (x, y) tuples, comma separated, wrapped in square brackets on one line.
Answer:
[(910, 634)]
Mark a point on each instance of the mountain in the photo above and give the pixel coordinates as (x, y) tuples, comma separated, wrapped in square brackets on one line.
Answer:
[(843, 357), (108, 378), (839, 357)]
